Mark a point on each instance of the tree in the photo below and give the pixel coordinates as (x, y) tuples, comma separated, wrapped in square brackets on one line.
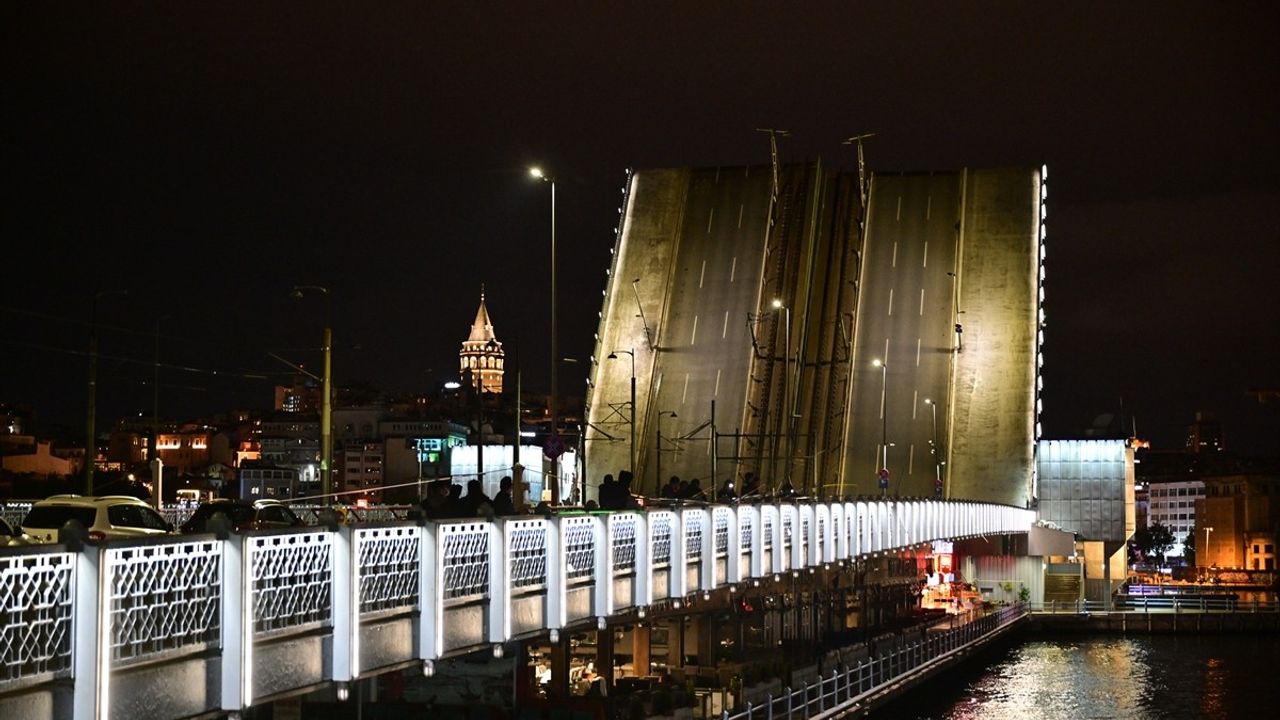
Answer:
[(1162, 540), (1189, 548)]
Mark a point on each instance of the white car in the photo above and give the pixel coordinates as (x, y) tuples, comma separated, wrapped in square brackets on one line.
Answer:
[(107, 517)]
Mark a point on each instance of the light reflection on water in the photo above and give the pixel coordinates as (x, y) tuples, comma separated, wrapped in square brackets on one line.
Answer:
[(1107, 677)]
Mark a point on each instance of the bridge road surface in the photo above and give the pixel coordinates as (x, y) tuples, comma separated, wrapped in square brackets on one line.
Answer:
[(905, 319), (705, 341)]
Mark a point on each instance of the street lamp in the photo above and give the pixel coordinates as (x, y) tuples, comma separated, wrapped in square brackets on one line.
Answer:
[(884, 424), (91, 408), (786, 385), (326, 400), (933, 448), (658, 461), (538, 174), (614, 356), (1207, 530)]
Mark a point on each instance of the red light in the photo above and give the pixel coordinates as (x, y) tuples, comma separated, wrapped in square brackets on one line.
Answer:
[(97, 535)]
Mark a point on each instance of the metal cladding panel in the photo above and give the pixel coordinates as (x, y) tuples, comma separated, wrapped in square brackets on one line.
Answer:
[(38, 703), (577, 603), (289, 664), (661, 584), (528, 613), (624, 593), (186, 687), (1086, 487), (385, 643), (465, 626)]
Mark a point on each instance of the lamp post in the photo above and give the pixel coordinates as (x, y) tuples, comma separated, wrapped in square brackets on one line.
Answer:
[(786, 386), (1207, 530), (657, 465), (537, 173), (614, 356), (326, 401), (884, 423), (937, 456), (157, 467), (91, 408)]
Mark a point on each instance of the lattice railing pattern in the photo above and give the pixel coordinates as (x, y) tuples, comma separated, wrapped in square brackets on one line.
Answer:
[(527, 557), (464, 557), (163, 597), (622, 538), (35, 615), (660, 537), (746, 527), (388, 562), (786, 532), (14, 512), (804, 538), (822, 534), (768, 516), (292, 579), (579, 547), (721, 525), (693, 530)]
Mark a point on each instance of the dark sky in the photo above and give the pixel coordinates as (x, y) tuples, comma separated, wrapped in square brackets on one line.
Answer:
[(208, 158)]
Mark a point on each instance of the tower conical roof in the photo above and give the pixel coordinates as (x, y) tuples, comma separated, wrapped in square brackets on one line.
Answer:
[(482, 328)]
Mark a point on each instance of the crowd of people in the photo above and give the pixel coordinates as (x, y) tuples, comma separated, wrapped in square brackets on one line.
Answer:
[(445, 499)]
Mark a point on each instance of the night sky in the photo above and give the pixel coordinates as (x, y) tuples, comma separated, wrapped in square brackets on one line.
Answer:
[(208, 159)]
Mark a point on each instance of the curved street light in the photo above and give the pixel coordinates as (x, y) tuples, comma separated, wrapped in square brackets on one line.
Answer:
[(538, 173)]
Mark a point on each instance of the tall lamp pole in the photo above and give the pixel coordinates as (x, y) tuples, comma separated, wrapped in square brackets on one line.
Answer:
[(326, 401), (538, 173), (657, 464), (884, 423), (91, 407), (157, 468), (937, 456), (1207, 530), (614, 356), (786, 386)]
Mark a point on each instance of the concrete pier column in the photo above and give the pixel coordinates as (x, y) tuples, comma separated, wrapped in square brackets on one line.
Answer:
[(604, 656)]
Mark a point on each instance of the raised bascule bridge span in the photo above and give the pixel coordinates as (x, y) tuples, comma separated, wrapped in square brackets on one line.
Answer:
[(774, 323)]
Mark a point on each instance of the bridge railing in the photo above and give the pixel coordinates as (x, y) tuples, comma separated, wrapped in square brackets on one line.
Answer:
[(243, 618), (845, 687), (1157, 604)]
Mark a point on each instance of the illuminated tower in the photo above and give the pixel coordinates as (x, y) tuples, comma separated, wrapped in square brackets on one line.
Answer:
[(482, 354)]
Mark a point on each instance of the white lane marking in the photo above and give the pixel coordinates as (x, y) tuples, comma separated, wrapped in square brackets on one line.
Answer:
[(883, 392), (716, 392), (928, 207), (926, 253), (911, 458), (740, 206), (685, 394), (895, 254), (709, 219), (724, 331), (733, 268), (886, 352), (921, 300), (694, 338), (915, 395), (717, 173), (917, 352), (890, 302), (703, 274), (898, 217)]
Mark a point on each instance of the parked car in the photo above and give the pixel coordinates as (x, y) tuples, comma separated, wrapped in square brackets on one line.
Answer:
[(10, 536), (106, 517), (243, 514)]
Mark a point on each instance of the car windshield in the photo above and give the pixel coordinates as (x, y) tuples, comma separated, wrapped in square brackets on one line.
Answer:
[(54, 516), (135, 516)]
